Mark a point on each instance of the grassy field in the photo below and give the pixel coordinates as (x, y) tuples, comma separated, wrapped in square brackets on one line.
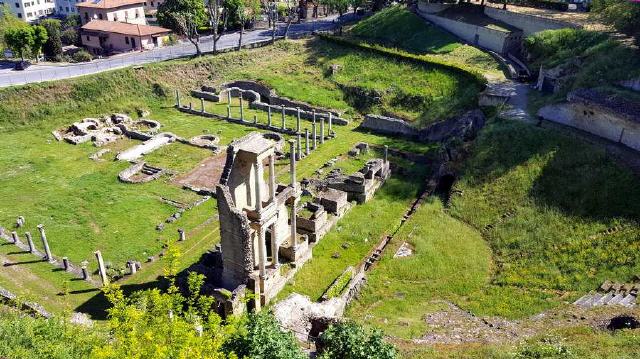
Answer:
[(81, 202), (357, 232)]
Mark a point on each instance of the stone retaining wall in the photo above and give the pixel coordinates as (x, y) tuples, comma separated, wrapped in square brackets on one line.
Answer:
[(389, 126), (529, 24)]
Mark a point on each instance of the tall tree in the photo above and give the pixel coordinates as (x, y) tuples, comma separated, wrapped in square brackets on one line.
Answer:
[(19, 40), (293, 11), (184, 17), (247, 11), (8, 21), (53, 47), (623, 15), (40, 38), (218, 16)]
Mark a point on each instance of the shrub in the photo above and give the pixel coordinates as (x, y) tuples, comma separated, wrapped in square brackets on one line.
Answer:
[(170, 40), (70, 37), (349, 340), (82, 56)]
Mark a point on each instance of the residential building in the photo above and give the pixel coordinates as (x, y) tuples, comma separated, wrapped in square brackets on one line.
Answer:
[(108, 37), (66, 7), (112, 26), (129, 11), (151, 6), (30, 10)]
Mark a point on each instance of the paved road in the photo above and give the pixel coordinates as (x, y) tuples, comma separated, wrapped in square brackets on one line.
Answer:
[(40, 73)]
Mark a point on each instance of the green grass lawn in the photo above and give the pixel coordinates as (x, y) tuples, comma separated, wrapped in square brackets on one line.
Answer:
[(563, 194), (361, 229), (396, 26)]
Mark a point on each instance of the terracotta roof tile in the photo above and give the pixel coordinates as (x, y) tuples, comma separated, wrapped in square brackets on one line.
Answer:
[(123, 28)]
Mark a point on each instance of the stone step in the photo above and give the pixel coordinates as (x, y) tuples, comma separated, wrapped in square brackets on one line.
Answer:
[(616, 299), (593, 299), (628, 301), (582, 300), (604, 300)]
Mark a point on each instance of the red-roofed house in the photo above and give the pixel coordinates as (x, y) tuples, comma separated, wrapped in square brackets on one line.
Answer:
[(112, 26), (107, 37)]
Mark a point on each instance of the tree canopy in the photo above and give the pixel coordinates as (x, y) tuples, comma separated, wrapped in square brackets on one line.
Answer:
[(624, 15)]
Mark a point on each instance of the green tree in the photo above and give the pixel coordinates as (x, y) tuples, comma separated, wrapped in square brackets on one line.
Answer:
[(53, 47), (184, 17), (247, 10), (20, 40), (40, 38), (349, 340), (259, 336), (7, 21), (624, 15)]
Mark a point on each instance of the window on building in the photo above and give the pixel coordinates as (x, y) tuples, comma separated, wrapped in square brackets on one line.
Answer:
[(29, 14), (86, 16), (152, 4), (40, 12), (88, 38), (137, 14), (126, 40), (126, 15), (100, 16), (18, 5), (67, 9), (19, 16)]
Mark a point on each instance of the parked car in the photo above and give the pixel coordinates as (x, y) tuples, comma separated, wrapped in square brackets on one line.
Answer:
[(22, 65)]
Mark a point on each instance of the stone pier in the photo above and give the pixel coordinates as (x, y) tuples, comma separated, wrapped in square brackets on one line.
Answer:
[(321, 130), (32, 247), (306, 136), (181, 235), (298, 120), (101, 269), (47, 251), (284, 121)]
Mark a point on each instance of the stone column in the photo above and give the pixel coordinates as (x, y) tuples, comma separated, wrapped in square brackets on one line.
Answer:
[(101, 269), (306, 136), (272, 177), (177, 99), (32, 247), (228, 112), (202, 105), (190, 105), (20, 222), (284, 121), (330, 121), (228, 97), (132, 267), (65, 264), (241, 108), (255, 119), (85, 271), (314, 115), (386, 153), (274, 248), (269, 115), (181, 235), (14, 237), (292, 152), (47, 251), (294, 240), (298, 120), (299, 143), (262, 251), (258, 177), (313, 134), (321, 130)]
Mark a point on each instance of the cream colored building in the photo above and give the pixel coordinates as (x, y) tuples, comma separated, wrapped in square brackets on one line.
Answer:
[(107, 37), (129, 11)]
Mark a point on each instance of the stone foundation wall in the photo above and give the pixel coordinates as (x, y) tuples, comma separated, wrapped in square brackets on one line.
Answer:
[(529, 24), (595, 120), (389, 126), (494, 40)]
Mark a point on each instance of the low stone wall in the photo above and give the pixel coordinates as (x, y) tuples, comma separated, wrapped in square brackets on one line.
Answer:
[(494, 40), (431, 8), (209, 96), (529, 24), (389, 126), (617, 124), (465, 126)]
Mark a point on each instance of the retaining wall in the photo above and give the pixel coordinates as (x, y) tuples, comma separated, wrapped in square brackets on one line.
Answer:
[(529, 24), (595, 121), (494, 40)]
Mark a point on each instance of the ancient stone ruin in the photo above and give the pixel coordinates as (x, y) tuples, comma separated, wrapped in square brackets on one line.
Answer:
[(262, 225)]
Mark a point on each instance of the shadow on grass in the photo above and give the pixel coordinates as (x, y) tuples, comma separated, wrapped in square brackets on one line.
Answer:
[(568, 174)]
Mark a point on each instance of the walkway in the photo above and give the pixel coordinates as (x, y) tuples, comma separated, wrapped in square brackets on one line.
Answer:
[(40, 73)]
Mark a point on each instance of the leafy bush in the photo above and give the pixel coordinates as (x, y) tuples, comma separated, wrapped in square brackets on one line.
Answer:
[(259, 336), (34, 338), (82, 56), (349, 340), (70, 37)]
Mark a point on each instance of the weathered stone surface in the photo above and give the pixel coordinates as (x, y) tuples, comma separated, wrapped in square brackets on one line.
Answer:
[(464, 127), (388, 125)]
